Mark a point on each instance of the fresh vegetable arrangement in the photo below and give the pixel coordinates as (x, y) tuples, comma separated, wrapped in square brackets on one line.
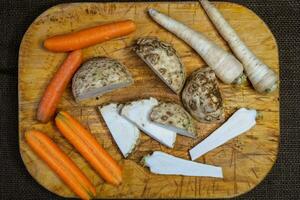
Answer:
[(201, 100)]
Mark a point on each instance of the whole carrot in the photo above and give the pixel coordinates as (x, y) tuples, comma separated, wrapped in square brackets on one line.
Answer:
[(87, 145), (89, 36), (57, 85), (60, 163)]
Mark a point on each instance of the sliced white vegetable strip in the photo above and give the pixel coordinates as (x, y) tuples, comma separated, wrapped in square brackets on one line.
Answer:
[(124, 132), (240, 122), (138, 112), (162, 163), (261, 76)]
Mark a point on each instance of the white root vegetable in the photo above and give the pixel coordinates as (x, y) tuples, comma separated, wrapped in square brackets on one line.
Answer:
[(99, 75), (202, 98), (138, 112), (125, 133), (225, 65), (240, 122), (261, 76), (164, 61), (173, 117), (162, 163)]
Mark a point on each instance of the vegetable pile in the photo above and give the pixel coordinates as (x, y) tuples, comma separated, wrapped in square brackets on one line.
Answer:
[(202, 100)]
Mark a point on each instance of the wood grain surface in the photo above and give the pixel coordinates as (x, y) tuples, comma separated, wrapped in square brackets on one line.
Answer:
[(245, 160)]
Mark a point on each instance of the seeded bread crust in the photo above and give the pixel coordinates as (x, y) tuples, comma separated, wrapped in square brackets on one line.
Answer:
[(202, 98), (162, 58), (99, 75)]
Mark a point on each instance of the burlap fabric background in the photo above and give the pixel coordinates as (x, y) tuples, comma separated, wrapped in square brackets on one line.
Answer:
[(283, 18)]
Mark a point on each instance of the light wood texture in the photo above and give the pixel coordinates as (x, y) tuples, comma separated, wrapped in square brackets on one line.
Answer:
[(245, 160)]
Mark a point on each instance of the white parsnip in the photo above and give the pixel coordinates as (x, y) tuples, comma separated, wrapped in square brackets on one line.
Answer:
[(261, 76), (138, 112), (224, 64), (240, 122), (125, 133), (163, 163)]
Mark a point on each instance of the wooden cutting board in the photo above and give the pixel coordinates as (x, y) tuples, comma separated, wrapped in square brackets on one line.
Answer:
[(245, 160)]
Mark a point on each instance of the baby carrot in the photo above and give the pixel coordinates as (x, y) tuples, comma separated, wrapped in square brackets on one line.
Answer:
[(89, 148), (89, 36), (57, 85), (60, 163)]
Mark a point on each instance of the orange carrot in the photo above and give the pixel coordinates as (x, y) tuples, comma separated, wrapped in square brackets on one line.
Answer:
[(57, 86), (87, 145), (60, 163), (89, 36)]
